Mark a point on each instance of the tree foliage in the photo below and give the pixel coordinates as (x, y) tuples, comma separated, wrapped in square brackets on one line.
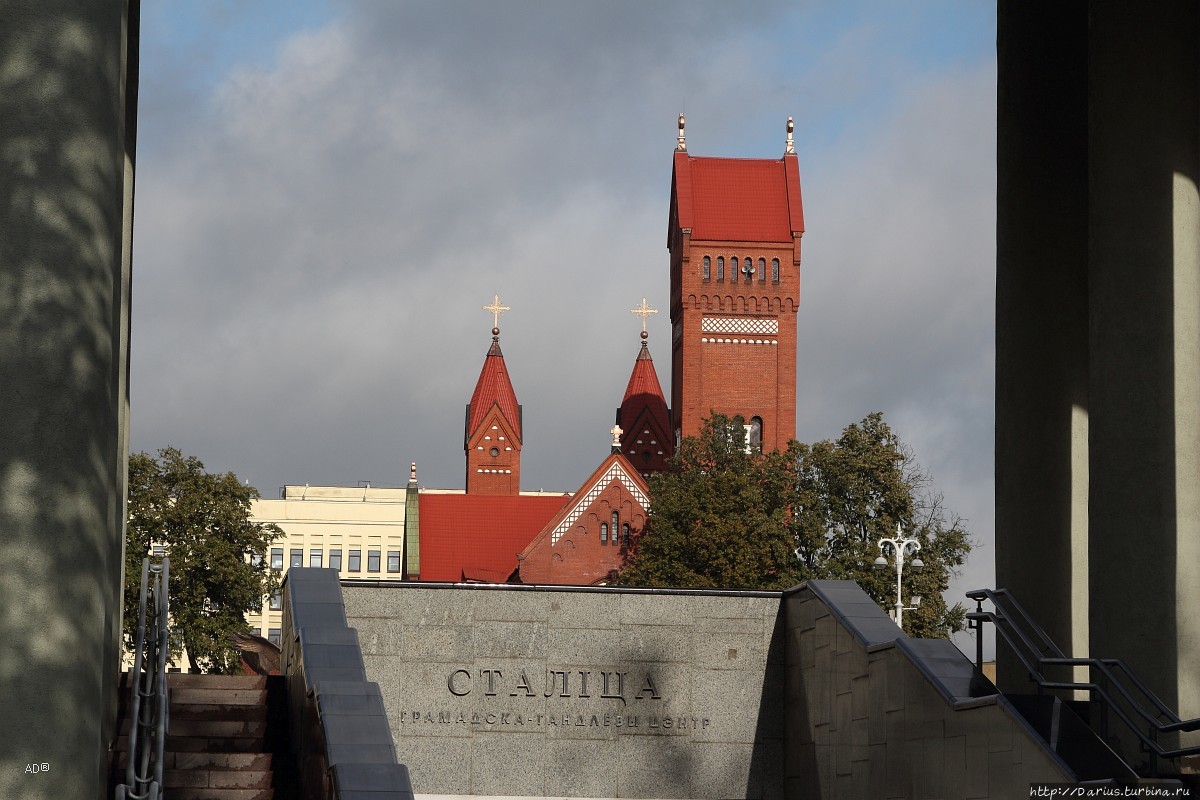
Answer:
[(725, 518), (219, 565), (718, 519)]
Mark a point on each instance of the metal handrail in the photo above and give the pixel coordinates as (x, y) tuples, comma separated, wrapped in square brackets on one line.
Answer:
[(1034, 659), (148, 683)]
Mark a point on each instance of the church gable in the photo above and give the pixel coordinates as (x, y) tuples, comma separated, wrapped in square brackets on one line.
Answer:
[(590, 537), (494, 430)]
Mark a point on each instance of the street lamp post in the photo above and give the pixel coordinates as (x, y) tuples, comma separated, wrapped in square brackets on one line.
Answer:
[(900, 548)]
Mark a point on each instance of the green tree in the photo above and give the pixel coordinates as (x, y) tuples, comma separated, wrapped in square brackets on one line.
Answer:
[(718, 519), (219, 565), (851, 493), (725, 518)]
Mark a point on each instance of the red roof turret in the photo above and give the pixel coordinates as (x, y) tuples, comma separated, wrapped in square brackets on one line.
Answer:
[(493, 388)]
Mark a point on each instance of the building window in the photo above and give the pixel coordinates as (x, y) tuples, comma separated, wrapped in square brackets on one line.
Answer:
[(616, 521), (276, 558), (297, 557), (315, 557), (707, 273), (733, 269), (276, 602), (625, 533), (372, 561), (393, 560), (720, 268), (762, 270), (335, 558), (275, 635), (603, 533), (256, 631), (774, 270), (355, 561), (754, 434)]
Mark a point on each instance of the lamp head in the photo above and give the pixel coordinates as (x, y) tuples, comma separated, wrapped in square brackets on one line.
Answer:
[(917, 563), (881, 563)]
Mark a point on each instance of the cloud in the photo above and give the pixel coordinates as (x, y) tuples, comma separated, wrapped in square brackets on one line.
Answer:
[(316, 234)]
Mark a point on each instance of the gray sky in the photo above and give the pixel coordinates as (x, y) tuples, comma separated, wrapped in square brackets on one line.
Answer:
[(328, 192)]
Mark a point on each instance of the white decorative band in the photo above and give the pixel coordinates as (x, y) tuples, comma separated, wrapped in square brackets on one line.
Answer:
[(715, 340), (613, 472), (739, 325)]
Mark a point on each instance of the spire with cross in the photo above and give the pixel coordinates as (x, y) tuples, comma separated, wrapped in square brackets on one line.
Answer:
[(496, 310), (643, 311)]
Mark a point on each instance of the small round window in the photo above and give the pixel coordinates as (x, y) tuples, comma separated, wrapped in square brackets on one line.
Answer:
[(495, 451)]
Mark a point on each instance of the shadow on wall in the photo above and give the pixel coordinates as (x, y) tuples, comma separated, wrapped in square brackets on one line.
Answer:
[(62, 354)]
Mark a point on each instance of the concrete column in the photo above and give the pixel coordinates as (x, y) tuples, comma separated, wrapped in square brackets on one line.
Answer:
[(1144, 121), (1098, 330), (67, 91), (1042, 318)]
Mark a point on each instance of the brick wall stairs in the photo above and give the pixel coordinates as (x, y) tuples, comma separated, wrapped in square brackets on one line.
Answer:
[(227, 739)]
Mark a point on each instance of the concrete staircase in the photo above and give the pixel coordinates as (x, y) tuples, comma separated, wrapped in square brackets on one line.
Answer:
[(226, 740)]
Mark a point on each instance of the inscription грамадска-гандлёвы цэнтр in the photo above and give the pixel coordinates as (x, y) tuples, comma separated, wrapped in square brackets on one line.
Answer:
[(641, 711)]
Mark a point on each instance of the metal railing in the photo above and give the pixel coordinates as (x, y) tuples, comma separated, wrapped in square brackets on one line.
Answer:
[(148, 706), (1115, 688)]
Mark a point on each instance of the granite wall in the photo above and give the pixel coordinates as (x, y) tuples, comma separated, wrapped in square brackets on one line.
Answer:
[(578, 692), (873, 713)]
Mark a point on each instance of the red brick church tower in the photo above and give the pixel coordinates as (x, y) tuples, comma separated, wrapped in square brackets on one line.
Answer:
[(647, 438), (493, 428), (734, 238)]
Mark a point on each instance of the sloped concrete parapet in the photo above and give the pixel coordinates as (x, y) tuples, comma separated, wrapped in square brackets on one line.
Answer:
[(874, 713)]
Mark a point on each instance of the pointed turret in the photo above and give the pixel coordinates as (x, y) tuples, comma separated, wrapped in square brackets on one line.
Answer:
[(492, 437), (644, 417)]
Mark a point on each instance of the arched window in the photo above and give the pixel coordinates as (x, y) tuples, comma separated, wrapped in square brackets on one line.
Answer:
[(625, 533), (733, 269), (707, 268), (720, 268), (603, 533), (774, 270), (615, 523), (755, 435), (762, 270)]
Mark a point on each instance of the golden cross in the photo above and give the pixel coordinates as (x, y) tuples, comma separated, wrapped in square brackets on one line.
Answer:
[(496, 310), (644, 311)]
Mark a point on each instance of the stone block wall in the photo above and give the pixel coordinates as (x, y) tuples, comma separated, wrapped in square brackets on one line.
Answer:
[(873, 713), (584, 692)]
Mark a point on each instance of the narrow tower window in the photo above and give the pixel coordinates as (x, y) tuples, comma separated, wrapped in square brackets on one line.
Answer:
[(762, 270), (733, 269), (774, 270), (603, 533), (755, 434), (707, 268), (625, 533), (720, 268), (616, 521)]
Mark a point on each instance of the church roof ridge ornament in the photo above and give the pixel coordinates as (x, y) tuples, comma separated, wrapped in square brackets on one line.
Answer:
[(790, 147), (681, 144)]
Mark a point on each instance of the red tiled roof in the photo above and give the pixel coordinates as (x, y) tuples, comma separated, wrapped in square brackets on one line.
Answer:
[(479, 534), (494, 388), (737, 199), (644, 390)]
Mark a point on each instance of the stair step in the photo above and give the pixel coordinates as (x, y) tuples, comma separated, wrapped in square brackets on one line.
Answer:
[(212, 793), (185, 681), (206, 760), (215, 711), (228, 697), (206, 744), (217, 779)]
